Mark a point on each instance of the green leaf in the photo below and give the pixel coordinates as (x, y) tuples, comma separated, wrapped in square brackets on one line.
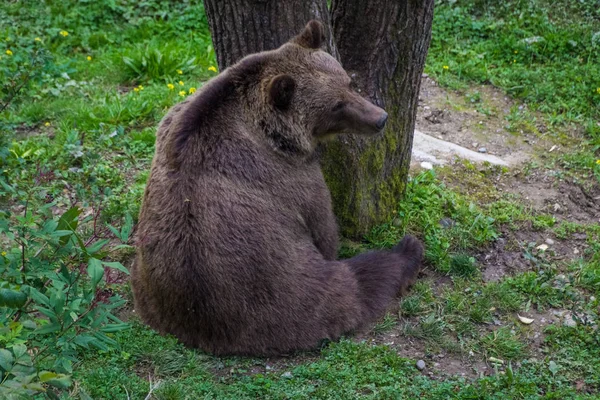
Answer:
[(83, 340), (95, 271), (68, 221), (116, 265), (48, 328), (12, 298), (48, 313), (96, 247), (127, 228), (61, 233), (553, 367), (45, 376), (29, 324), (19, 350), (114, 230), (110, 328), (6, 360), (61, 381), (39, 297)]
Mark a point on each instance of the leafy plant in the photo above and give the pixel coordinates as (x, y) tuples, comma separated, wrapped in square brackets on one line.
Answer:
[(149, 63), (52, 294)]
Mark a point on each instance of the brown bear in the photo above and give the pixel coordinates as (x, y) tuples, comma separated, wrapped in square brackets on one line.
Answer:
[(237, 241)]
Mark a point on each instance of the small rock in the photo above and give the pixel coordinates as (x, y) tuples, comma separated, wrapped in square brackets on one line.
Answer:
[(426, 108), (569, 321), (482, 150), (575, 251), (425, 76), (549, 242), (592, 298), (580, 236), (475, 144), (426, 165), (268, 368), (471, 354), (436, 365), (556, 207), (447, 222), (497, 322), (420, 365), (287, 375)]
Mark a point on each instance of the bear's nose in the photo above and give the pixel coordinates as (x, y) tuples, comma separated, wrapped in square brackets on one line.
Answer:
[(381, 123)]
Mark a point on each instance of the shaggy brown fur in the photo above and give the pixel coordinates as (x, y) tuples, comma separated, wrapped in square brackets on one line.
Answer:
[(236, 238)]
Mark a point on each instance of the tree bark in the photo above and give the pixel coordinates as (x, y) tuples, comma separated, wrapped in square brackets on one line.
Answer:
[(242, 27), (382, 44)]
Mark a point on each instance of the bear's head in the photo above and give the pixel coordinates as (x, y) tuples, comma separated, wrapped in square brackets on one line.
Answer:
[(307, 89), (304, 95)]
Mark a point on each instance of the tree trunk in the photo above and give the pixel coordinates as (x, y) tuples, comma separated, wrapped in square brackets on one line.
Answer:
[(382, 44), (242, 27)]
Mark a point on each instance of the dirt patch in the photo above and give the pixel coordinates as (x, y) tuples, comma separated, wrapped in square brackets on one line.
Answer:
[(519, 251), (476, 122), (563, 199)]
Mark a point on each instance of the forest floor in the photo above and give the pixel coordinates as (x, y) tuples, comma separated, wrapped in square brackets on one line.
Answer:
[(507, 305)]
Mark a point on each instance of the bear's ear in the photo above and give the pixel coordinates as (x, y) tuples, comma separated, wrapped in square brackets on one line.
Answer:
[(281, 91), (313, 35)]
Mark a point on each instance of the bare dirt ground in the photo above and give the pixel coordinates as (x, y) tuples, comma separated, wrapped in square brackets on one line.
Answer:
[(475, 121)]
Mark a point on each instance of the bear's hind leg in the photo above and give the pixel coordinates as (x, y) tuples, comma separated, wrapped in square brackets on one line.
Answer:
[(381, 275)]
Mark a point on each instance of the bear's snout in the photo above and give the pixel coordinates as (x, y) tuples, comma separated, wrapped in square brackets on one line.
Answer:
[(381, 123)]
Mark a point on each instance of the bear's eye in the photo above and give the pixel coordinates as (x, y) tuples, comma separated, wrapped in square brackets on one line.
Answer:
[(339, 106)]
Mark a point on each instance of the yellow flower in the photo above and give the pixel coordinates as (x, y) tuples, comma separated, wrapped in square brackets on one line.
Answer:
[(516, 51), (3, 254), (192, 90), (64, 33), (598, 90), (170, 86), (446, 67), (179, 71), (598, 162), (181, 83), (182, 93), (213, 69), (136, 89), (46, 123), (89, 58), (9, 53), (141, 87), (514, 61), (37, 39)]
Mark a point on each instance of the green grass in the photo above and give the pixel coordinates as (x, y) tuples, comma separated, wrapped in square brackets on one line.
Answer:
[(82, 132)]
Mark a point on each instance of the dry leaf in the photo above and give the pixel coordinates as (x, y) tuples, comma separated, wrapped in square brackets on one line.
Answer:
[(525, 320)]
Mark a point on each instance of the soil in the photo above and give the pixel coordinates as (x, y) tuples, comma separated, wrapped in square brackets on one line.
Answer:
[(475, 125)]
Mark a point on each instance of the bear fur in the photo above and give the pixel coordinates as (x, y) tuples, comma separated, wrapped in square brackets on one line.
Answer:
[(236, 241)]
